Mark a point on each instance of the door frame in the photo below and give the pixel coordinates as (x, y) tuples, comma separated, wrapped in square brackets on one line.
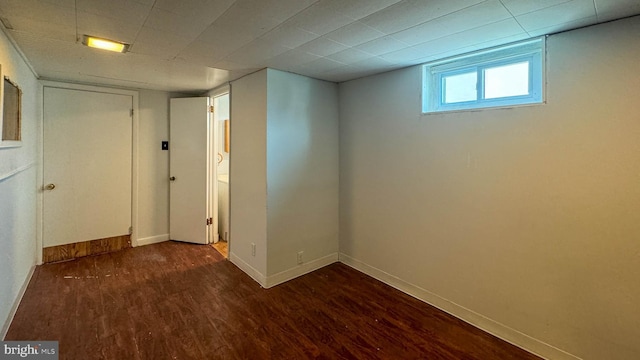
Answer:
[(217, 92), (134, 156)]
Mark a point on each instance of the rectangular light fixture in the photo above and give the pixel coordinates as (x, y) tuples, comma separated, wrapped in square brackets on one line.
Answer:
[(104, 44)]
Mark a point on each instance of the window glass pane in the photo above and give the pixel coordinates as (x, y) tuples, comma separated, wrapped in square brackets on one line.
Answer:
[(507, 80), (460, 87)]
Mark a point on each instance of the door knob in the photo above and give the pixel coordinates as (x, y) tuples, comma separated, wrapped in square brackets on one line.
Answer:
[(173, 178), (50, 187)]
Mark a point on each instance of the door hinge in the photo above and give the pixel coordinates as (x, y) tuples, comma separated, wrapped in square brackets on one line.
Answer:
[(131, 112), (211, 109), (209, 221)]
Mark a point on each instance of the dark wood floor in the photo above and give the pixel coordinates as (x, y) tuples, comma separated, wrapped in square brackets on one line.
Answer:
[(180, 301)]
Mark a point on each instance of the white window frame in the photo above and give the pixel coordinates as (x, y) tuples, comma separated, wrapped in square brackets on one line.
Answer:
[(532, 51)]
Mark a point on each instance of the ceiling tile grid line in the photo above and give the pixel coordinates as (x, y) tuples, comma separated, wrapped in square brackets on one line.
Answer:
[(146, 18), (512, 15)]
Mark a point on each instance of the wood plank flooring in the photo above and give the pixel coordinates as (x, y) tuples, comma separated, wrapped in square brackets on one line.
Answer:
[(181, 301), (222, 247)]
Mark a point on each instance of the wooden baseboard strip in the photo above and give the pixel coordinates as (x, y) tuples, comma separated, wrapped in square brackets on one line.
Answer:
[(85, 248)]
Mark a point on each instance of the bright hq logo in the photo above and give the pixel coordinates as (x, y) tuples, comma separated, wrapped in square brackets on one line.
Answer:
[(29, 349)]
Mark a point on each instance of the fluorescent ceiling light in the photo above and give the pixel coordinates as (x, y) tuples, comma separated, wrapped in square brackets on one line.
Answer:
[(105, 44)]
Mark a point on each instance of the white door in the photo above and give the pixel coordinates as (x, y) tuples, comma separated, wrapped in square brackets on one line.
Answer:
[(190, 211), (87, 165)]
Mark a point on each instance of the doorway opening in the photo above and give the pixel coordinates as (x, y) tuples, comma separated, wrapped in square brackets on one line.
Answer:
[(222, 130)]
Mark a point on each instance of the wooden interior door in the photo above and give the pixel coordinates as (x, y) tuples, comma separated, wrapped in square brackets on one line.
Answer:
[(190, 211), (87, 149)]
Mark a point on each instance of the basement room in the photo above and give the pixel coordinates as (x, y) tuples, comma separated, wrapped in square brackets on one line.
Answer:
[(320, 179)]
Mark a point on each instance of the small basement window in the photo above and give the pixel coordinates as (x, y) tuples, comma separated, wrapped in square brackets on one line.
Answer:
[(503, 76)]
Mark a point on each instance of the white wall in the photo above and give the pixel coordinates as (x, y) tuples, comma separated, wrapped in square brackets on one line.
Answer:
[(248, 175), (153, 166), (18, 189), (284, 175), (524, 221), (302, 173)]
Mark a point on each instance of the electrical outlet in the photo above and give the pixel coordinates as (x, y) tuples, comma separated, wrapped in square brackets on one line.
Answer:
[(253, 249), (300, 257)]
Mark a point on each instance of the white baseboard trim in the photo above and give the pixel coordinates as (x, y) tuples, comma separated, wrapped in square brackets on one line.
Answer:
[(16, 303), (152, 240), (490, 326), (300, 270), (248, 269)]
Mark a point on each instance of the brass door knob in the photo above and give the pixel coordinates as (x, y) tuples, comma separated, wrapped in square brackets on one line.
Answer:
[(50, 187)]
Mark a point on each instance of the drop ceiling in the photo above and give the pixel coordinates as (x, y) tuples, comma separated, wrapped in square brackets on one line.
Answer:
[(197, 45)]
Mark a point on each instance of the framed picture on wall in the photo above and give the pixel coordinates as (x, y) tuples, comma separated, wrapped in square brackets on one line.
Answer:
[(11, 110)]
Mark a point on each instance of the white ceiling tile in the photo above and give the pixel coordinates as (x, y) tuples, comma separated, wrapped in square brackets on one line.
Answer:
[(123, 10), (383, 45), (519, 7), (280, 10), (351, 72), (555, 15), (357, 9), (321, 65), (403, 56), (472, 48), (564, 26), (204, 53), (290, 60), (479, 35), (615, 9), (223, 37), (69, 4), (109, 28), (80, 63), (145, 2), (237, 74), (238, 26), (354, 34), (230, 65), (310, 37), (349, 56), (289, 36), (408, 13), (60, 31), (164, 20), (372, 63), (474, 16), (322, 47), (48, 13), (343, 72), (256, 52), (165, 45), (183, 7), (319, 19), (195, 9)]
